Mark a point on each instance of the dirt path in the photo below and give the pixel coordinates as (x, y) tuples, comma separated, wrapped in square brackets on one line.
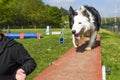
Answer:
[(76, 64)]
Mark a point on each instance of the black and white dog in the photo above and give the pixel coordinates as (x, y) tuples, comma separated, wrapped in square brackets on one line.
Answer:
[(85, 20)]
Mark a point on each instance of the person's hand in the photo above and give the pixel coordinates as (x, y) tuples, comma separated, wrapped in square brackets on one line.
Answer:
[(20, 74)]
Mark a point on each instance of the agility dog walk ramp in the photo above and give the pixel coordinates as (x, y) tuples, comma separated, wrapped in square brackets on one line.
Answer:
[(76, 64)]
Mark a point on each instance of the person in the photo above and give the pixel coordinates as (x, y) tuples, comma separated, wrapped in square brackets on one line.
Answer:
[(15, 61)]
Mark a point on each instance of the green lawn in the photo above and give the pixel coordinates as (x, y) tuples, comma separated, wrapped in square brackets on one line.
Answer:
[(48, 49), (110, 46), (45, 50)]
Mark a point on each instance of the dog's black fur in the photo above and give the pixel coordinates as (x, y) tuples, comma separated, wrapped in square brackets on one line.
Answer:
[(96, 15)]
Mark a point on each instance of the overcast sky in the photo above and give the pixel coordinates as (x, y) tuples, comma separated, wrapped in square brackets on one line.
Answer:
[(107, 8)]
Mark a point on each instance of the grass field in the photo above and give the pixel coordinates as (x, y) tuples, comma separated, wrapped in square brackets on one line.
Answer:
[(45, 50), (48, 49), (110, 44)]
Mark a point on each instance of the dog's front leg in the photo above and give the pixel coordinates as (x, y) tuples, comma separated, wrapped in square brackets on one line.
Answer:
[(92, 40), (75, 42)]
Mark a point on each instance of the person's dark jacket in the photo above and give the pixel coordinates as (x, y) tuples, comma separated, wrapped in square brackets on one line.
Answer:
[(14, 56)]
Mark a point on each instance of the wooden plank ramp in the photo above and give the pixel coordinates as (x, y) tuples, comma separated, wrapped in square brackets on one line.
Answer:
[(76, 64)]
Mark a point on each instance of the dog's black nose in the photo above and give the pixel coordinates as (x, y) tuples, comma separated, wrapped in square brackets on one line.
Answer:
[(73, 31)]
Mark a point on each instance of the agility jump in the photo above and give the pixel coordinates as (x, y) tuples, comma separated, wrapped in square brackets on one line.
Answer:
[(24, 35)]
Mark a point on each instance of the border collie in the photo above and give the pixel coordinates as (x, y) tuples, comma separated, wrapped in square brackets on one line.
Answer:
[(86, 21)]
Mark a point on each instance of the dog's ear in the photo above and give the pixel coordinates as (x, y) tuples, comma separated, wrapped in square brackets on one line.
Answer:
[(71, 16), (85, 13), (71, 11)]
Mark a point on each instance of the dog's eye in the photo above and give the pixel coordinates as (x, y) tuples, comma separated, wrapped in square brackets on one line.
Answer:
[(79, 23)]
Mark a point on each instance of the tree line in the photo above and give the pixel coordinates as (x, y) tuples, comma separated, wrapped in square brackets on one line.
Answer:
[(37, 14), (28, 13)]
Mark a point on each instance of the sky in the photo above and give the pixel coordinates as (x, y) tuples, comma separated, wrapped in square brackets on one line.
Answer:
[(107, 8)]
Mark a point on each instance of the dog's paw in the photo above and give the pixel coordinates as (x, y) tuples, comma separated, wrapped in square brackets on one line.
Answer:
[(76, 47), (88, 48)]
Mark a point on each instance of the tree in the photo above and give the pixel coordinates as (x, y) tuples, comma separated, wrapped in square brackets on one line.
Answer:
[(64, 12), (29, 12), (50, 16), (56, 15), (32, 10), (4, 11)]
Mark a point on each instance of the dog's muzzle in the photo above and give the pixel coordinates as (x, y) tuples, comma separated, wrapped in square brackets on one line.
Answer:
[(73, 31), (77, 36)]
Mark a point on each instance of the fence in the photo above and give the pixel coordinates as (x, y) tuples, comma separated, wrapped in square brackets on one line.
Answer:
[(114, 28)]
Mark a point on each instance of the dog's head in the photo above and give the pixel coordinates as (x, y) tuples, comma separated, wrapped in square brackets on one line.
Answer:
[(78, 19)]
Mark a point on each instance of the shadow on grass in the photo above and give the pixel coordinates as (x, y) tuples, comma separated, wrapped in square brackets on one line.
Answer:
[(83, 46)]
